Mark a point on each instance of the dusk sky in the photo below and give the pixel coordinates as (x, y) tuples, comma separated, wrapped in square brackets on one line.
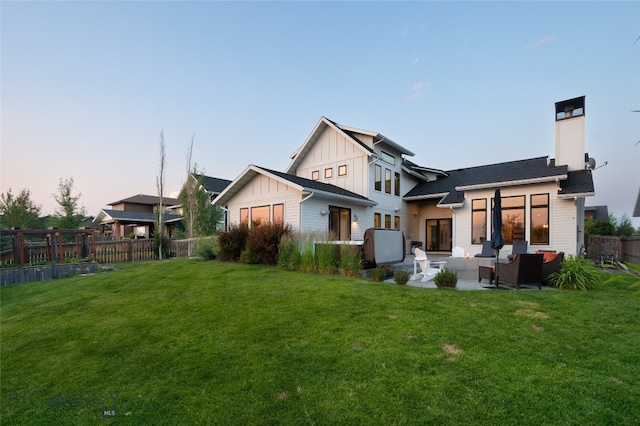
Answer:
[(87, 87)]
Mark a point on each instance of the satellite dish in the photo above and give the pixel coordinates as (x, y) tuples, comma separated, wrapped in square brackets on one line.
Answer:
[(592, 163)]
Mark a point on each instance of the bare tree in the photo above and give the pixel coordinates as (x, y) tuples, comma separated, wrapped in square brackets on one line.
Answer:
[(160, 186), (190, 206)]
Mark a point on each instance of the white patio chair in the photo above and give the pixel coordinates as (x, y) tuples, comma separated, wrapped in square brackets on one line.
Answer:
[(426, 270)]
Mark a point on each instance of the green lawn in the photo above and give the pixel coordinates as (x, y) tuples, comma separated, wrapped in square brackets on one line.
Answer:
[(194, 342)]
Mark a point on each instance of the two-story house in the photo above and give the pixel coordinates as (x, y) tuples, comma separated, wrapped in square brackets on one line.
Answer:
[(345, 180)]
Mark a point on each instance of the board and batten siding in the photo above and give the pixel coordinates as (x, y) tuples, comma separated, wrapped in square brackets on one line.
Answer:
[(332, 150), (262, 191)]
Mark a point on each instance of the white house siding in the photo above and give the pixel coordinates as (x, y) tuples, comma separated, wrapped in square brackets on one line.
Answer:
[(563, 226), (332, 150), (262, 191)]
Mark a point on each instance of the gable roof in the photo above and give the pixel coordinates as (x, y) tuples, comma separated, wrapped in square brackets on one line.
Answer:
[(451, 187), (146, 199), (297, 182), (347, 132), (108, 216), (212, 184)]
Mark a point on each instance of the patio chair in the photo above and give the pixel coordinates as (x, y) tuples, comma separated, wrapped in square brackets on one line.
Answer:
[(523, 269), (552, 262), (487, 251), (426, 270), (519, 247)]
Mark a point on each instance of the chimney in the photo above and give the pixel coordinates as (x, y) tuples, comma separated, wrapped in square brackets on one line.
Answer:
[(570, 134)]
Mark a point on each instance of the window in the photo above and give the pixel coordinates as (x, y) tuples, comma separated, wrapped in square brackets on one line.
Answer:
[(315, 175), (328, 173), (478, 221), (513, 219), (387, 181), (278, 213), (540, 219), (244, 215), (388, 158), (260, 214), (340, 223), (377, 220), (396, 184), (387, 221), (378, 181), (342, 170), (396, 222)]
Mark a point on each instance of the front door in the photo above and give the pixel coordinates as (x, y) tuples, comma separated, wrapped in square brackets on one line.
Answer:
[(340, 223), (439, 235)]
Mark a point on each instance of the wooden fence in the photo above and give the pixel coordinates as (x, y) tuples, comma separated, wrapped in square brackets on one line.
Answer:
[(35, 247), (601, 247)]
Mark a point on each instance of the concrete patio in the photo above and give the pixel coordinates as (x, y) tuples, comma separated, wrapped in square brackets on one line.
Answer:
[(465, 268)]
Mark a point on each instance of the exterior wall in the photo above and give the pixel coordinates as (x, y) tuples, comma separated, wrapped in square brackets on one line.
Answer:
[(570, 143), (262, 191), (332, 150), (429, 210)]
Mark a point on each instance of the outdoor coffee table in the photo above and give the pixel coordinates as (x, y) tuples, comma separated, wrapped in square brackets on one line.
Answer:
[(439, 263)]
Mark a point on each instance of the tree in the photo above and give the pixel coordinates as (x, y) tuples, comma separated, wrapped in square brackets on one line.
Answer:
[(188, 199), (624, 227), (19, 211), (199, 213), (68, 215), (159, 238)]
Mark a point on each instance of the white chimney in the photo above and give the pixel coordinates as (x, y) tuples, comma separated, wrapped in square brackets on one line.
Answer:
[(570, 134)]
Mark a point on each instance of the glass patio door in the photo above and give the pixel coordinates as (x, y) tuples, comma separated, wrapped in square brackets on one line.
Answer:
[(340, 223), (439, 234)]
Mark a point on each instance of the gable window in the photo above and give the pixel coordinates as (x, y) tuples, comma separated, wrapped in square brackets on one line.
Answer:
[(244, 215), (396, 222), (513, 219), (387, 221), (396, 184), (260, 214), (328, 173), (478, 221), (377, 220), (278, 213), (378, 178), (342, 170), (388, 158), (387, 181), (315, 175), (539, 219)]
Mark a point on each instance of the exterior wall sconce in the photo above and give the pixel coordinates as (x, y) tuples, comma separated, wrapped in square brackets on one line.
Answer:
[(323, 212), (355, 217)]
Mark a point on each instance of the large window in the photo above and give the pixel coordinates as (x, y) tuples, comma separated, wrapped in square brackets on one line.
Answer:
[(387, 221), (244, 215), (260, 214), (513, 219), (377, 220), (278, 213), (478, 221), (540, 219), (378, 181), (396, 222), (396, 183), (387, 181)]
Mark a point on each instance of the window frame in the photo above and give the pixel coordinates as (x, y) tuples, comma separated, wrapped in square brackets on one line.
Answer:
[(478, 209), (315, 175), (342, 170), (544, 240), (377, 177)]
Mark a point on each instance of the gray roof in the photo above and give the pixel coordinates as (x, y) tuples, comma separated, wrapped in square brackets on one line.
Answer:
[(541, 169), (146, 199), (212, 184), (600, 213)]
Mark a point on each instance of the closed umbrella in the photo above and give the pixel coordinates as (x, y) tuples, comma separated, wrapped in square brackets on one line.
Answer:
[(497, 242)]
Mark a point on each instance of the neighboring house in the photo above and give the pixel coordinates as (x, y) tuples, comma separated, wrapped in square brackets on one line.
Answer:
[(214, 186), (136, 216), (344, 180), (597, 213)]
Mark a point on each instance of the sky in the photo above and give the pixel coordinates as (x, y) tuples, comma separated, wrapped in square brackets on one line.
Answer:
[(86, 88)]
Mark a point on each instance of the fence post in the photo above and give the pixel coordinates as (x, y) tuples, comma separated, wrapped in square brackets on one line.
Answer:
[(129, 251), (60, 247)]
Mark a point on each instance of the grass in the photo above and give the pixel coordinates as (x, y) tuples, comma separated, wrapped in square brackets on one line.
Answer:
[(195, 342)]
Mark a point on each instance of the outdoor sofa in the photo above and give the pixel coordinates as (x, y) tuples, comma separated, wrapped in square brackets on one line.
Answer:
[(523, 269)]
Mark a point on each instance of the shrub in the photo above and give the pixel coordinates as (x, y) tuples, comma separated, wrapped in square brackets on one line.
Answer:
[(378, 274), (350, 260), (161, 240), (206, 248), (446, 278), (286, 250), (263, 242), (326, 258), (576, 273), (401, 277), (232, 242)]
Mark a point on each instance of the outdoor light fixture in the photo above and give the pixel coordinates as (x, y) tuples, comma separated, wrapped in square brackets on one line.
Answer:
[(323, 212), (355, 217)]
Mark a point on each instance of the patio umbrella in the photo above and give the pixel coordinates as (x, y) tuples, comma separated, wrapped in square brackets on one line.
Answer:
[(497, 242)]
